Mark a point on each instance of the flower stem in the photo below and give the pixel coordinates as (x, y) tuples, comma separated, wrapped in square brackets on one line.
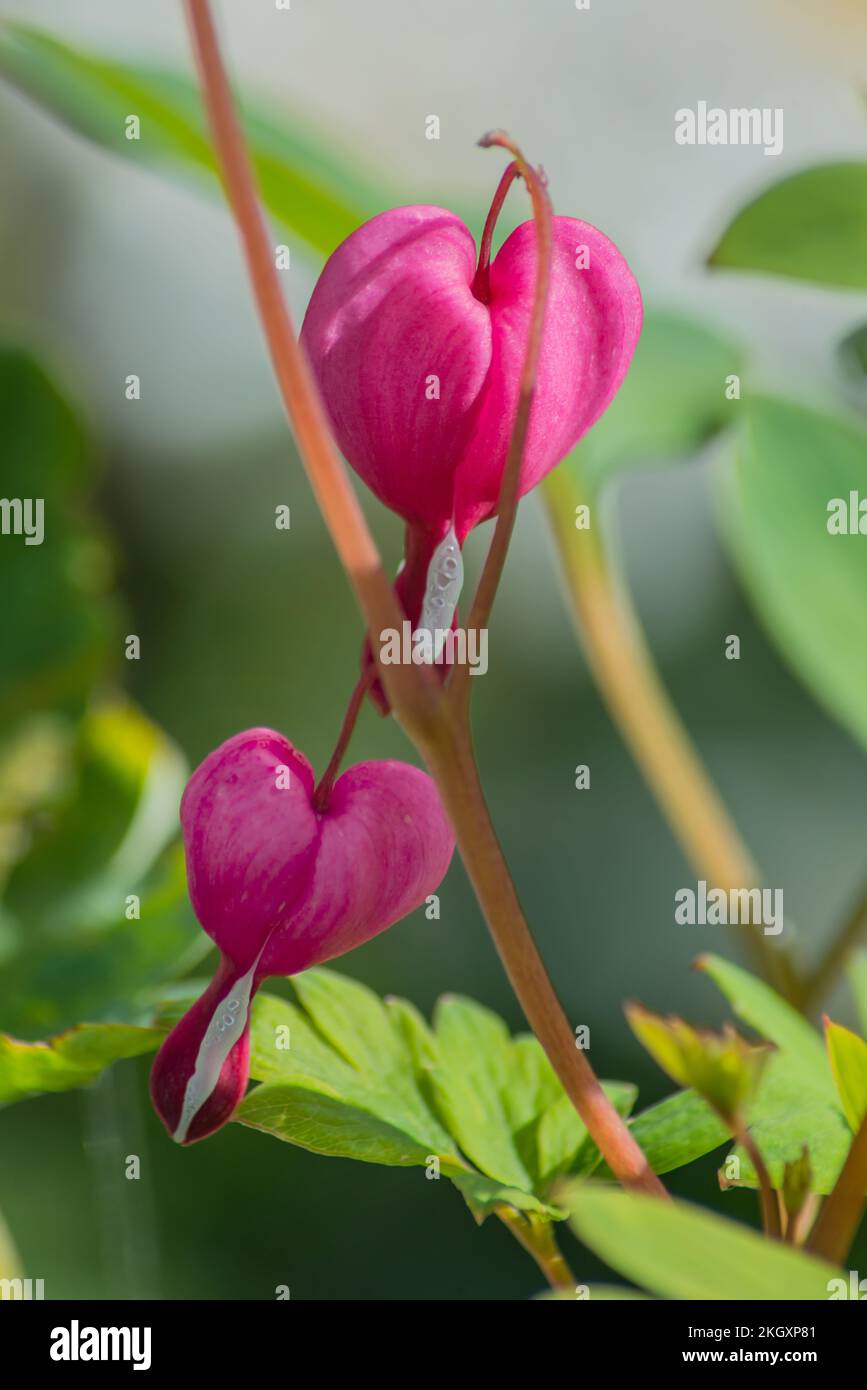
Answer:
[(771, 1223), (453, 765), (638, 703), (539, 1240), (510, 484), (838, 1220), (439, 732), (481, 285), (408, 686), (353, 709)]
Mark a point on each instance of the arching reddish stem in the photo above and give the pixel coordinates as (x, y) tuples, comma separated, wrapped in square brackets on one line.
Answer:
[(481, 281)]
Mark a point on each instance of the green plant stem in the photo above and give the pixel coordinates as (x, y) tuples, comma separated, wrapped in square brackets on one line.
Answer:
[(539, 1240), (837, 1223), (822, 978), (414, 692), (640, 707)]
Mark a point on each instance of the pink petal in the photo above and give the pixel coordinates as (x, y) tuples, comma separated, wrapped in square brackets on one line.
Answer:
[(250, 843), (385, 845), (592, 326), (392, 307)]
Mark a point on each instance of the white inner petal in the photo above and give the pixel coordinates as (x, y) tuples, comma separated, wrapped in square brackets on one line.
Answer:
[(445, 579), (223, 1031)]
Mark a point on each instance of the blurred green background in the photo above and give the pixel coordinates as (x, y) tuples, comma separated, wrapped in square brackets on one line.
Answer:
[(106, 269)]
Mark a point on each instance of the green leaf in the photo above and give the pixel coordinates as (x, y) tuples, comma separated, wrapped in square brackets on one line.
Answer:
[(372, 1080), (722, 1067), (762, 1008), (674, 1132), (320, 198), (672, 401), (483, 1195), (790, 1111), (848, 1057), (71, 1059), (470, 1083), (315, 1118), (808, 586), (109, 973), (359, 1028), (810, 226), (105, 826), (678, 1251), (563, 1144), (56, 632), (796, 1103)]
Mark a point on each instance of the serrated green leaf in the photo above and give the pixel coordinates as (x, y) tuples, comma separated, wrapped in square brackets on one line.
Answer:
[(320, 198), (483, 1195), (762, 1008), (808, 586), (309, 1115), (357, 1024), (723, 1068), (791, 1110), (678, 1251), (415, 1035), (810, 226), (847, 1054), (672, 401), (70, 1059), (475, 1064), (796, 1102)]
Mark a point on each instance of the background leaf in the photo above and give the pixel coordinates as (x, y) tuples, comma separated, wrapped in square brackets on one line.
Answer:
[(71, 1059), (55, 635), (810, 226), (796, 1103), (318, 196), (809, 587), (100, 834), (672, 401), (848, 1056), (679, 1251), (114, 972), (764, 1010)]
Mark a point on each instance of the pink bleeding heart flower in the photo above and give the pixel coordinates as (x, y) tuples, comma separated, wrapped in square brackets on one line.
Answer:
[(418, 357), (282, 886)]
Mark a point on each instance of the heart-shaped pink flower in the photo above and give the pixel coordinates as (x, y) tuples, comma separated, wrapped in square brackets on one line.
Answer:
[(281, 886), (419, 359), (418, 356)]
